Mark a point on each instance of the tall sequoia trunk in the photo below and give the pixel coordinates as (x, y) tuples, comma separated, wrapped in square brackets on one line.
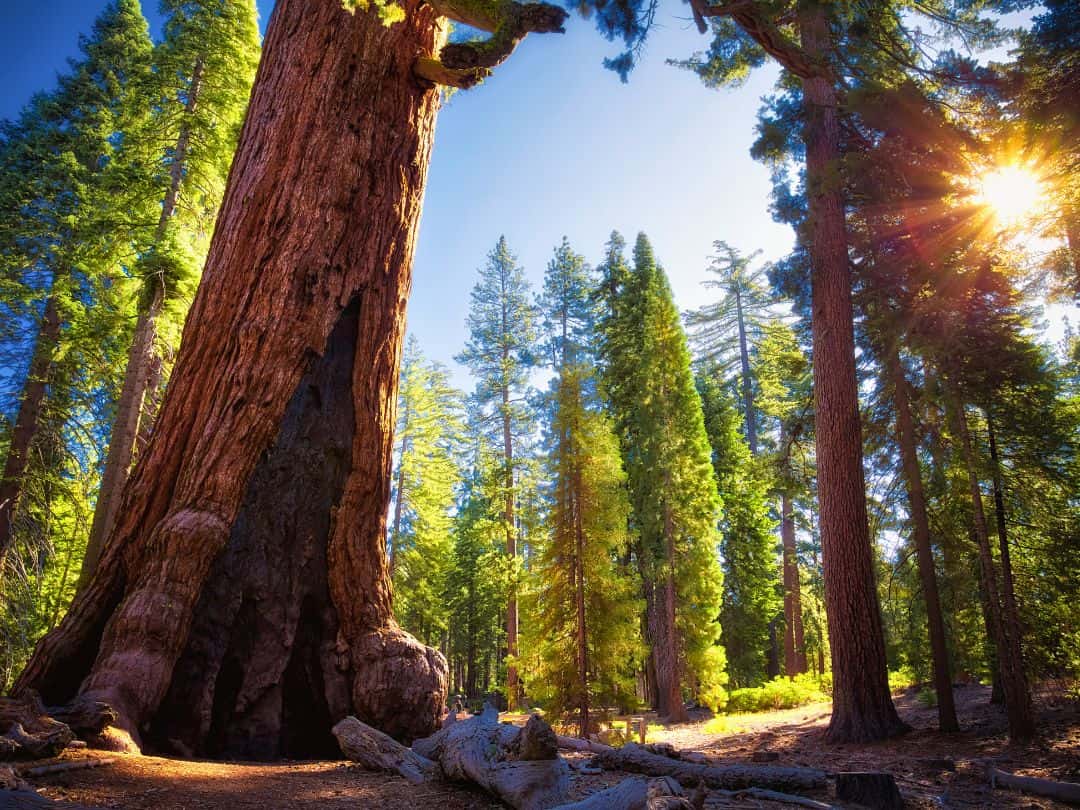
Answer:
[(794, 635), (225, 608), (924, 553), (1009, 657), (143, 362), (26, 423), (862, 706)]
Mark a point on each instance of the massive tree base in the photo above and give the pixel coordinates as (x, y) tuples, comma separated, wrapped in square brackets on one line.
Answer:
[(242, 603)]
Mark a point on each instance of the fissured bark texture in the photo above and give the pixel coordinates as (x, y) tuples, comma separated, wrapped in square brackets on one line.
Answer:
[(862, 706), (231, 630)]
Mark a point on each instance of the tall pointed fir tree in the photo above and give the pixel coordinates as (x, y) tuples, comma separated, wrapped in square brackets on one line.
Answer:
[(747, 547), (425, 480), (675, 504), (63, 166), (197, 97), (500, 351), (587, 631)]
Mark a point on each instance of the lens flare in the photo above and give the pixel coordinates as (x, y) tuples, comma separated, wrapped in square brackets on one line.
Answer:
[(1012, 193)]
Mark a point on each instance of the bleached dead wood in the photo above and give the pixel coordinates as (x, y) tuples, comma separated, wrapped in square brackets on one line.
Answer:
[(64, 767), (578, 744), (522, 767), (377, 751), (27, 731), (635, 759), (775, 796), (1068, 792), (636, 793)]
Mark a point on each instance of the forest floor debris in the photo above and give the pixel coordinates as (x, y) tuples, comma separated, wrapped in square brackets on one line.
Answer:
[(932, 770)]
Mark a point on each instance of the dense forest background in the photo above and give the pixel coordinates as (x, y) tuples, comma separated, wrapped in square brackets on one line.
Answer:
[(621, 511)]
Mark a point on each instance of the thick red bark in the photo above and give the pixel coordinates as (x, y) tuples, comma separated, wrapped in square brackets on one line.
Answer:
[(862, 706), (26, 423), (317, 228), (920, 530)]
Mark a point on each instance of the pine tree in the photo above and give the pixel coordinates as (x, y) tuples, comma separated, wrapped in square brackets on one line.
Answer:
[(673, 490), (736, 320), (500, 351), (203, 71), (747, 547), (587, 629), (60, 174), (427, 475)]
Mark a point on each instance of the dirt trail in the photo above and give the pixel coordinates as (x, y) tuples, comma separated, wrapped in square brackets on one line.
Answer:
[(795, 736)]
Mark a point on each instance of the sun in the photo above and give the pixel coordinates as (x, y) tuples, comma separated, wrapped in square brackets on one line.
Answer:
[(1012, 193)]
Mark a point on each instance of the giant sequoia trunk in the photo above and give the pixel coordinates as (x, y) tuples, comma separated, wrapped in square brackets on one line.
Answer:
[(242, 601), (26, 423), (920, 530), (862, 706)]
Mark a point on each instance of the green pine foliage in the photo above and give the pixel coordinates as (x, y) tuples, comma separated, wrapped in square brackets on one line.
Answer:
[(667, 456), (426, 477), (752, 598), (582, 559)]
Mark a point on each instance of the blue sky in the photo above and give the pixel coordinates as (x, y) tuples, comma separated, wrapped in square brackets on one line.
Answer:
[(552, 144)]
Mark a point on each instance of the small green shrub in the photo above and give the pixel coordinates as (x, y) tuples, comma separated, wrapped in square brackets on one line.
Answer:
[(928, 697), (901, 679), (779, 693)]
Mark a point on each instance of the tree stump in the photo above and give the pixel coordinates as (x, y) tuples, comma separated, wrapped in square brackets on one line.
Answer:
[(871, 789)]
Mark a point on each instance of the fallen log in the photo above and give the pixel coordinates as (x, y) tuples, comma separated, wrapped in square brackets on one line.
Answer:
[(663, 793), (635, 759), (27, 731), (775, 796), (377, 751), (1068, 792), (64, 767), (578, 744), (522, 767)]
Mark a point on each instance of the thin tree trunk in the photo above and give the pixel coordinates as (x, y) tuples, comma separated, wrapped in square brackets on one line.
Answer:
[(142, 359), (747, 381), (1012, 612), (666, 635), (1010, 660), (513, 687), (794, 640), (399, 501), (26, 423), (862, 706), (582, 633), (308, 273), (924, 553)]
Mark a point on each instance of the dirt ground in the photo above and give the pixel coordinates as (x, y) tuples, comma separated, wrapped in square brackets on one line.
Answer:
[(796, 736)]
